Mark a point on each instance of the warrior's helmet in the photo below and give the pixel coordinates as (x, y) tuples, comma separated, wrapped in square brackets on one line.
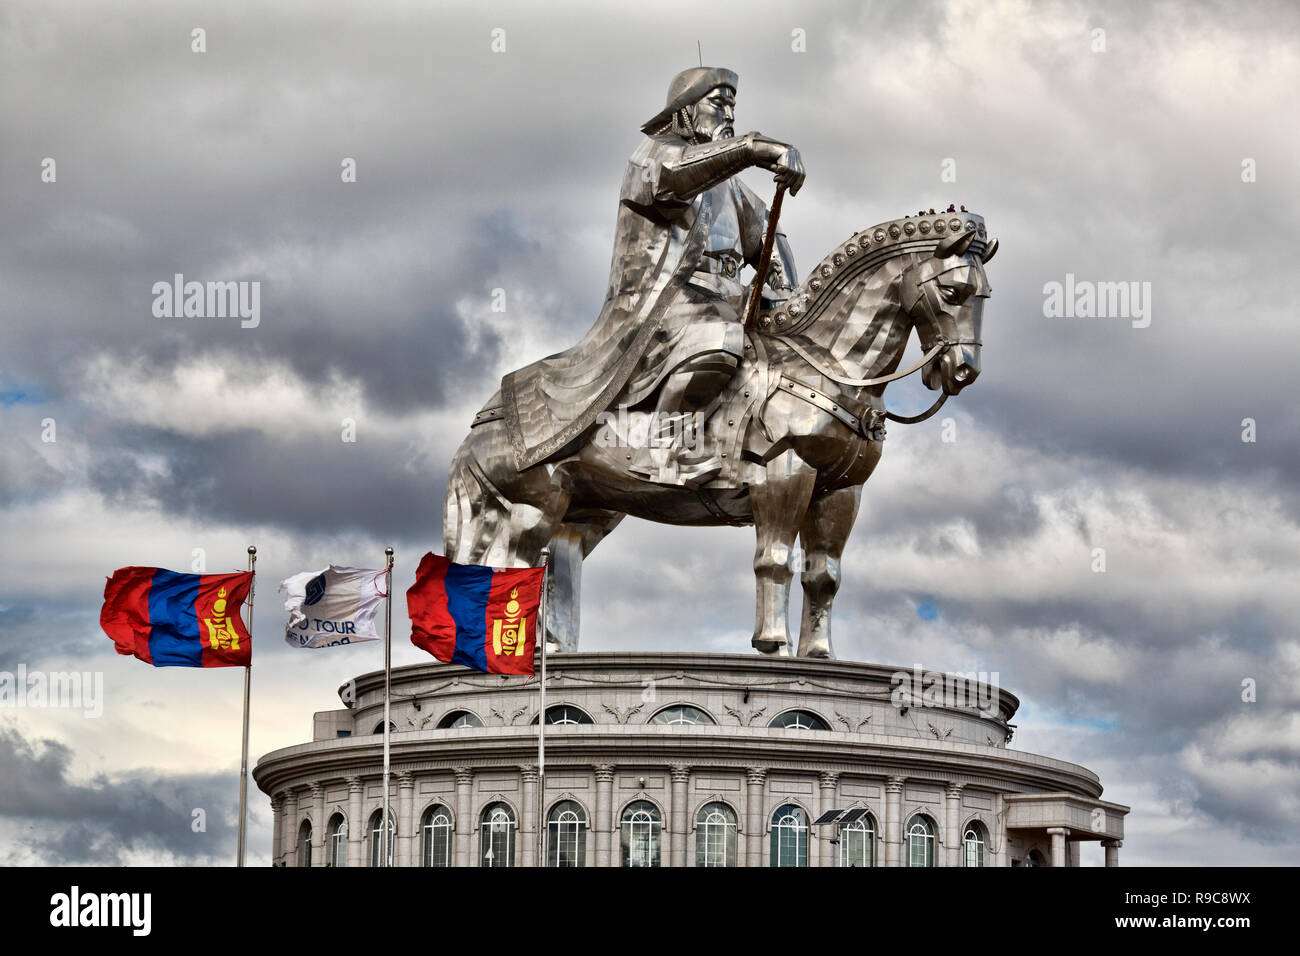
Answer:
[(686, 89)]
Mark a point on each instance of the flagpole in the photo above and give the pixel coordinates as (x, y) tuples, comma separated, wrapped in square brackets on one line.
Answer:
[(541, 719), (388, 673), (248, 677)]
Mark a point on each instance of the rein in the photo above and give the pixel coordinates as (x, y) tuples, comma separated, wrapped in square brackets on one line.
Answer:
[(925, 359)]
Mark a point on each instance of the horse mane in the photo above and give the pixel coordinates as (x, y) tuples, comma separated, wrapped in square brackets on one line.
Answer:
[(864, 252)]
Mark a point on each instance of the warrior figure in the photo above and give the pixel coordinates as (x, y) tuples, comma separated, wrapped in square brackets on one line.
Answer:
[(670, 333)]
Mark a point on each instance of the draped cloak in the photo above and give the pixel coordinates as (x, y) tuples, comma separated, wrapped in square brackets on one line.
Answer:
[(659, 243)]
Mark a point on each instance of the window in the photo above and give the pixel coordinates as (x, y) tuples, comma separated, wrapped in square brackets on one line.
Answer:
[(566, 714), (497, 836), (459, 718), (639, 834), (715, 835), (435, 836), (338, 845), (789, 836), (920, 842), (973, 845), (304, 843), (858, 843), (343, 733), (377, 838), (379, 728), (798, 720), (682, 714), (566, 838)]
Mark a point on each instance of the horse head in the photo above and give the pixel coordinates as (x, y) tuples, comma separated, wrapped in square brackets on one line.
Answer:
[(925, 272), (944, 293)]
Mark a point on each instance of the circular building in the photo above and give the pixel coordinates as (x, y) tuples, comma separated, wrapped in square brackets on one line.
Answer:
[(682, 759)]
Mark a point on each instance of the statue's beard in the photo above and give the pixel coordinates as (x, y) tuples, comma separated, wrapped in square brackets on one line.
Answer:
[(723, 132)]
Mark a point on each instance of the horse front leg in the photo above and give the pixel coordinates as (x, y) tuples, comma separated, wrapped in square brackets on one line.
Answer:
[(778, 507), (824, 532)]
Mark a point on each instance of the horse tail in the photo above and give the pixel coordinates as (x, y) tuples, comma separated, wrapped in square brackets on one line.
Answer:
[(473, 511)]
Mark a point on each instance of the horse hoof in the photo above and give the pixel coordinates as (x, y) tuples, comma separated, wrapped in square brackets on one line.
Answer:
[(772, 648)]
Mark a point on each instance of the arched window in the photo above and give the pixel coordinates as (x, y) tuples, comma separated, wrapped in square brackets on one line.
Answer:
[(715, 835), (379, 728), (459, 718), (798, 720), (920, 842), (338, 841), (682, 714), (566, 714), (435, 836), (789, 836), (304, 843), (1034, 858), (858, 843), (377, 838), (639, 833), (566, 838), (497, 835), (973, 844)]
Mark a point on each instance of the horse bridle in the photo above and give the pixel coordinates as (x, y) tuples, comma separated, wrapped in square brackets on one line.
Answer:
[(943, 344)]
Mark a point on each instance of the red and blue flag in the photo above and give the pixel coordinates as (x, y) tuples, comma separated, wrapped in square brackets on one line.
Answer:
[(484, 618), (169, 619)]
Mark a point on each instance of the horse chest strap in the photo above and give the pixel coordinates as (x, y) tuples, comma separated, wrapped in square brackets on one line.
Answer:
[(868, 425)]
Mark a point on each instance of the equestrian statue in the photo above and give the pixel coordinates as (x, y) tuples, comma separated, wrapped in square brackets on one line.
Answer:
[(698, 398)]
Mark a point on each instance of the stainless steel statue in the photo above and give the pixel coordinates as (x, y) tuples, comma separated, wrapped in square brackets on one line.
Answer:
[(671, 410)]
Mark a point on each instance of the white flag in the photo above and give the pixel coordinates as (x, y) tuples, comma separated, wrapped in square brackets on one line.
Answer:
[(334, 606)]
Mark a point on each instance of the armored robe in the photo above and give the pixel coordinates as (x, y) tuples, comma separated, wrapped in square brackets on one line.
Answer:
[(673, 292)]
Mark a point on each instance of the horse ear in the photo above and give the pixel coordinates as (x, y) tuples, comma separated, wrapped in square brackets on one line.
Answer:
[(955, 245), (991, 250)]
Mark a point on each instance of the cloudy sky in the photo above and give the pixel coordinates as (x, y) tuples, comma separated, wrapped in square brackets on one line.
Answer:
[(1159, 150)]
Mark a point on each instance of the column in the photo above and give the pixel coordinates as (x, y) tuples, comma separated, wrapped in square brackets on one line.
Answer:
[(604, 823), (528, 829), (319, 825), (893, 825), (754, 817), (677, 814), (820, 850), (1058, 835), (356, 825), (277, 828), (407, 825), (997, 848), (952, 825), (464, 821), (1112, 851), (289, 829), (1072, 853)]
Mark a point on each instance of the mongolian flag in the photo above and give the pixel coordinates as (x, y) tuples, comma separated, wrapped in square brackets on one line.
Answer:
[(484, 618), (169, 619)]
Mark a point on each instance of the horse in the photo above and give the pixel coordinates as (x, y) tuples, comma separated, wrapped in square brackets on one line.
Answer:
[(798, 431)]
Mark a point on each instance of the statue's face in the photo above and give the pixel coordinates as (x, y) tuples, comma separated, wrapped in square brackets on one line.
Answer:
[(715, 114)]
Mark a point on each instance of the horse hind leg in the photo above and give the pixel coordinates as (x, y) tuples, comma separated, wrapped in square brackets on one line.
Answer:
[(570, 545), (778, 506), (824, 532)]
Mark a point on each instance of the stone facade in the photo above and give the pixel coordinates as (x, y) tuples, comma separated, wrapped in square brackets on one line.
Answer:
[(681, 759)]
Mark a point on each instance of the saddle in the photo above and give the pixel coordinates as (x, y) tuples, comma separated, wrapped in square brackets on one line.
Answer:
[(647, 447)]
